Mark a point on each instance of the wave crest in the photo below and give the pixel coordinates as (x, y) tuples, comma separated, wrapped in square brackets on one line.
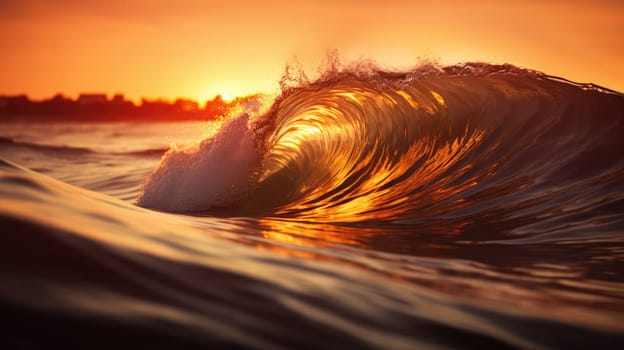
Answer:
[(466, 141)]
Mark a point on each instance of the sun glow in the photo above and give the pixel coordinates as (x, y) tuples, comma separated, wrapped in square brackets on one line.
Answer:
[(226, 96)]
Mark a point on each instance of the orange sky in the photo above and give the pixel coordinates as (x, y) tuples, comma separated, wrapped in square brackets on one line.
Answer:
[(197, 49)]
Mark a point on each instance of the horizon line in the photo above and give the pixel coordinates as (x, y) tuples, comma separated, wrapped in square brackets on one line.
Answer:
[(110, 97)]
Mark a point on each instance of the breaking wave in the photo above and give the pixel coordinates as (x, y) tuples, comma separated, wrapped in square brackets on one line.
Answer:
[(465, 143)]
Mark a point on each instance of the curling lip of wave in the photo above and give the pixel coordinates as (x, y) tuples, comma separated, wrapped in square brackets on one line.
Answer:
[(370, 145)]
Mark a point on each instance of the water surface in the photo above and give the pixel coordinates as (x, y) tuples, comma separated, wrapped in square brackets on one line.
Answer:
[(461, 207)]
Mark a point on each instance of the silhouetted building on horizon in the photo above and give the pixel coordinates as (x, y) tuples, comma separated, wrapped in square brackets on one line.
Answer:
[(9, 99), (119, 98), (186, 105), (92, 98)]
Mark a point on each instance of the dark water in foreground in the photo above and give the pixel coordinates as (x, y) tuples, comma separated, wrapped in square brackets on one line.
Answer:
[(468, 207)]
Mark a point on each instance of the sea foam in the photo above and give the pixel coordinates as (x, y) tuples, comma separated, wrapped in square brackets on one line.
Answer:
[(218, 172)]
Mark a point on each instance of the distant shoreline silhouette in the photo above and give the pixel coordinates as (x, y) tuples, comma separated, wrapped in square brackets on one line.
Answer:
[(99, 108)]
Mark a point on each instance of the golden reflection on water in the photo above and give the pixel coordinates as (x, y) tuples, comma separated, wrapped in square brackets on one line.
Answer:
[(431, 260), (310, 235), (428, 238)]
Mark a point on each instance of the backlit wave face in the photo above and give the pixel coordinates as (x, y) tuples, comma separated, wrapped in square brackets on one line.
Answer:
[(405, 147), (470, 143), (353, 152)]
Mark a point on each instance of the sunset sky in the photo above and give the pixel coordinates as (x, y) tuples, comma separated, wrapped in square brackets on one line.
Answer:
[(197, 49)]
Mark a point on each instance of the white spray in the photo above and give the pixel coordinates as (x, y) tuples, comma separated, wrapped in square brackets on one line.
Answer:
[(218, 172)]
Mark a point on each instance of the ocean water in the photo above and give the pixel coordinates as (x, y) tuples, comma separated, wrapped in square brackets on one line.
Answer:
[(472, 206)]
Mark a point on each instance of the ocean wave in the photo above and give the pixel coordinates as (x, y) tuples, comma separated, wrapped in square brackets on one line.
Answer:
[(74, 150), (149, 152), (470, 143), (10, 142)]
